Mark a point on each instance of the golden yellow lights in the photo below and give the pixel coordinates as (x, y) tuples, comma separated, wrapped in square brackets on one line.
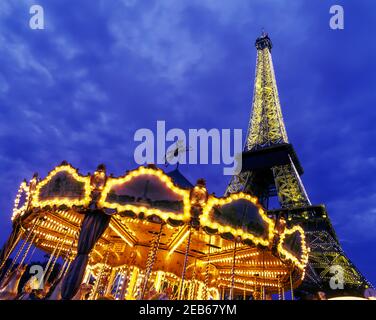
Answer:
[(121, 235), (303, 259), (51, 237), (242, 287), (62, 220), (205, 220), (19, 211), (266, 105), (261, 282), (259, 272), (229, 257), (99, 178), (165, 275), (165, 215), (58, 201), (168, 274), (52, 246), (178, 243), (158, 280), (199, 195), (74, 218), (52, 224), (98, 253), (134, 279)]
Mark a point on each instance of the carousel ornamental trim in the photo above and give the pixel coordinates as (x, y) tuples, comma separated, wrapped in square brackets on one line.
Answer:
[(142, 236)]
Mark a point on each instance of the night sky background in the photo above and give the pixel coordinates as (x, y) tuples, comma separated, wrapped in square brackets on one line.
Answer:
[(100, 70)]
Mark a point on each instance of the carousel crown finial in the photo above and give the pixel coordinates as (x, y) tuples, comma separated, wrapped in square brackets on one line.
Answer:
[(201, 182), (101, 167), (152, 166)]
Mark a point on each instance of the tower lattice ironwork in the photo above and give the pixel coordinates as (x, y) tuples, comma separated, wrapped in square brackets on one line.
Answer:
[(271, 171)]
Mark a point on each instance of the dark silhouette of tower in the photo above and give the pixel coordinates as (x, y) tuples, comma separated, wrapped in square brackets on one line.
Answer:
[(271, 170)]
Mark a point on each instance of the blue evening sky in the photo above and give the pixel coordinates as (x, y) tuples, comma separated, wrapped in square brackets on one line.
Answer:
[(100, 70)]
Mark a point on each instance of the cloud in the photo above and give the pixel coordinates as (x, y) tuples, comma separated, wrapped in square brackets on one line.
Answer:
[(79, 89), (355, 216)]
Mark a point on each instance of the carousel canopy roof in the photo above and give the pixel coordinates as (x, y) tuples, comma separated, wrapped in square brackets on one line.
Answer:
[(179, 179)]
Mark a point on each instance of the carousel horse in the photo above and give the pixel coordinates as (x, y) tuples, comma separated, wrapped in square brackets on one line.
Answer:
[(55, 290), (26, 291), (31, 290), (9, 289), (83, 291)]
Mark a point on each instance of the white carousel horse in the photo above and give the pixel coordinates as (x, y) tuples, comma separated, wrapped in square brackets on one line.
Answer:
[(9, 290), (82, 291), (80, 295), (55, 293)]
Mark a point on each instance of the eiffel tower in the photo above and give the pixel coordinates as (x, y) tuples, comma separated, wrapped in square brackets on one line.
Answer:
[(271, 170)]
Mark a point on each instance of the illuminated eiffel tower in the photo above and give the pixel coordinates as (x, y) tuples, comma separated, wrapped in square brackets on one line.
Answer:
[(271, 171)]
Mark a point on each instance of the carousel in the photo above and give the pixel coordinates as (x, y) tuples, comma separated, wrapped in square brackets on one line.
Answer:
[(148, 235)]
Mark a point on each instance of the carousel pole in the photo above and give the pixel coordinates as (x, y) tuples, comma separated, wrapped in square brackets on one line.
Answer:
[(152, 256), (107, 286), (63, 267), (125, 283), (263, 275), (11, 250), (18, 254), (291, 286), (257, 294), (129, 282), (57, 255), (207, 267), (99, 279), (36, 223), (26, 252), (66, 270), (185, 263), (193, 290), (32, 254), (255, 290), (67, 258), (279, 289), (189, 285), (87, 275), (233, 273), (118, 283), (47, 272)]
